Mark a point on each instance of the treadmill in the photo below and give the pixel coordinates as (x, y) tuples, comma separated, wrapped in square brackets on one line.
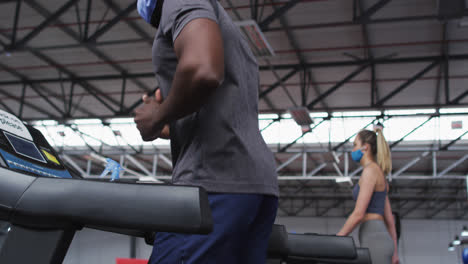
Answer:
[(284, 248), (42, 205)]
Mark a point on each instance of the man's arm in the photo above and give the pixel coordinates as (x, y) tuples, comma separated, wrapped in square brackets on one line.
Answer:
[(200, 70)]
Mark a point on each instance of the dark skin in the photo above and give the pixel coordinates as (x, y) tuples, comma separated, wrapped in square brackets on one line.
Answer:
[(200, 71), (150, 104)]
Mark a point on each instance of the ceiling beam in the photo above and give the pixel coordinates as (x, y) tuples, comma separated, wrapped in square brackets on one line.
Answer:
[(448, 145), (459, 98), (94, 91), (277, 13), (369, 55), (367, 61), (39, 28), (335, 87), (302, 60), (411, 132), (452, 166), (132, 24), (407, 83), (366, 15), (38, 88), (335, 148), (278, 83), (293, 67), (283, 149), (29, 104), (15, 22), (44, 12), (130, 8)]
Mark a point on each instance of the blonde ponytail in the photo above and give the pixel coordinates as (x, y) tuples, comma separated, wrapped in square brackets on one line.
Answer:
[(384, 158)]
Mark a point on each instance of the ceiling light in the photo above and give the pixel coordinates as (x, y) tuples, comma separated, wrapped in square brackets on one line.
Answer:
[(453, 110), (457, 241), (268, 116), (301, 115), (410, 112), (344, 181), (254, 36), (451, 247), (88, 121), (464, 233)]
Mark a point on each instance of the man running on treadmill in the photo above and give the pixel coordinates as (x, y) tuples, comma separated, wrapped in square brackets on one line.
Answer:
[(208, 105)]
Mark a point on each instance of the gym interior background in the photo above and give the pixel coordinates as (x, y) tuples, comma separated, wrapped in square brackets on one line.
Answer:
[(76, 69)]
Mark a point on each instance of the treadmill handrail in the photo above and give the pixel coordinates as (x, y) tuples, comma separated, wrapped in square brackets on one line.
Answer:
[(53, 202), (363, 257), (309, 246), (321, 246)]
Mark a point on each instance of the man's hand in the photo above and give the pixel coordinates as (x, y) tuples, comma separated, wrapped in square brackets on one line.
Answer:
[(157, 95), (150, 129)]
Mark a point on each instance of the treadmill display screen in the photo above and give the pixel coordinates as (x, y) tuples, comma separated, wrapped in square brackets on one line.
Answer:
[(24, 147)]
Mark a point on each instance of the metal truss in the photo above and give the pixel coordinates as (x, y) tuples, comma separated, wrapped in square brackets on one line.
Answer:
[(90, 41), (311, 190), (441, 195), (130, 152), (423, 201)]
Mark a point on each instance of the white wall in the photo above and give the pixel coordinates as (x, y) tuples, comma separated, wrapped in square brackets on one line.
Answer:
[(421, 242)]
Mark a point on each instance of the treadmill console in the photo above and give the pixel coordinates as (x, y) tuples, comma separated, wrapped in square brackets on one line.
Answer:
[(24, 148)]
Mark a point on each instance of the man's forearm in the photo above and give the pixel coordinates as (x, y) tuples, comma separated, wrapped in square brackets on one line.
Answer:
[(191, 88)]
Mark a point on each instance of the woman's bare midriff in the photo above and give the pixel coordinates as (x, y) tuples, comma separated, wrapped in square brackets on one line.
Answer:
[(372, 216)]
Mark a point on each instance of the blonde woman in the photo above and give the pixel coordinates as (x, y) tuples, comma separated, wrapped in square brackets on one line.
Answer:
[(372, 210)]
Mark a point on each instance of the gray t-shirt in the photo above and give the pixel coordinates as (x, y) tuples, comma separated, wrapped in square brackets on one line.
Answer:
[(219, 147)]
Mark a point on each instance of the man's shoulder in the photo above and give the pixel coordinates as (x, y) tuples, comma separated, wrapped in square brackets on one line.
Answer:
[(177, 13)]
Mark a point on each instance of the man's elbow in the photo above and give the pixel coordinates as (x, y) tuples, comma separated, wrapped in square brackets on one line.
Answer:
[(209, 77), (206, 76)]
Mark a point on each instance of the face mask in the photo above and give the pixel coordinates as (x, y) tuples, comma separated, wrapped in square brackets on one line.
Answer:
[(357, 155), (150, 11)]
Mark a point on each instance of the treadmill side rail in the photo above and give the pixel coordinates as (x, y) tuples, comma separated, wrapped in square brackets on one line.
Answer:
[(58, 203), (321, 246)]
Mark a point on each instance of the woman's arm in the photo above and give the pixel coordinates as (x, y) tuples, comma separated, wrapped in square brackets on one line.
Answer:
[(390, 223), (367, 186)]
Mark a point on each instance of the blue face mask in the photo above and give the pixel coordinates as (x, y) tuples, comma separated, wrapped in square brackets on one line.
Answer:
[(147, 9), (357, 155)]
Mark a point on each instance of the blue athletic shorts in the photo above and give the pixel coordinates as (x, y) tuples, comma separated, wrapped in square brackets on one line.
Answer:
[(241, 227)]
